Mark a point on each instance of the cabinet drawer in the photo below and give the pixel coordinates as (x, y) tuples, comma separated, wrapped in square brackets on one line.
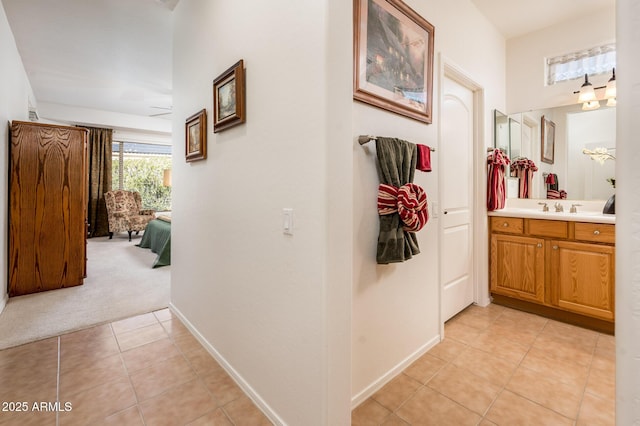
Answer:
[(596, 232), (549, 228), (508, 225)]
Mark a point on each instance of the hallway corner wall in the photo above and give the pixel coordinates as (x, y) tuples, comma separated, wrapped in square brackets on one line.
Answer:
[(396, 307), (275, 307)]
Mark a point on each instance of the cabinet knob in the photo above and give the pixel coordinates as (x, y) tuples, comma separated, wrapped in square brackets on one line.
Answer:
[(555, 247), (505, 224), (539, 245), (596, 232)]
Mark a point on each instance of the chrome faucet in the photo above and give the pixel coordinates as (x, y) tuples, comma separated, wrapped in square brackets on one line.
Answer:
[(545, 207), (573, 208), (559, 207)]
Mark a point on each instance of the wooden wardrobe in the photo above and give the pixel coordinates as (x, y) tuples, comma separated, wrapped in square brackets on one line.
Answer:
[(47, 207)]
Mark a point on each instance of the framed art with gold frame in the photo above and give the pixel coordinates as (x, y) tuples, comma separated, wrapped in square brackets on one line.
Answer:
[(229, 98), (393, 58), (196, 136)]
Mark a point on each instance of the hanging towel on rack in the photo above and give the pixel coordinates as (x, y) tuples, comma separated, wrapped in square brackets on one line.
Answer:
[(424, 158), (496, 191), (396, 167), (552, 181), (553, 194), (409, 201), (525, 169)]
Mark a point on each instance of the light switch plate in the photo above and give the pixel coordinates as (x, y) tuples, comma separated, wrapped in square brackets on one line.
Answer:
[(287, 221)]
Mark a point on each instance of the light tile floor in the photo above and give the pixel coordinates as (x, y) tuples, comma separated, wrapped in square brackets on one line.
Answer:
[(498, 366), (145, 370)]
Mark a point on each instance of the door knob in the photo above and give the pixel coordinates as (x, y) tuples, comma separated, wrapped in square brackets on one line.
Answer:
[(539, 245), (596, 232), (555, 247)]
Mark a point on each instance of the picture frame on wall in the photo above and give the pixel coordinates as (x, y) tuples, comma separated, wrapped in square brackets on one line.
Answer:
[(196, 136), (547, 140), (229, 98), (393, 58)]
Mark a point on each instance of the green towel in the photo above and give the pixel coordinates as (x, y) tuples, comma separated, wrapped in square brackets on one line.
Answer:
[(396, 166)]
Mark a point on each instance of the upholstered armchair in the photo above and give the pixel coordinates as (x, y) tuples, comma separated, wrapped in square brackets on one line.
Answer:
[(125, 212)]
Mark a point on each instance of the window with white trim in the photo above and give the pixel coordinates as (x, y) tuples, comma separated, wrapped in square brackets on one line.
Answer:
[(594, 61)]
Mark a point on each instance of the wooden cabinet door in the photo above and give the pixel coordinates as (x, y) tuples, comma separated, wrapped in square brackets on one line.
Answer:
[(517, 267), (583, 278)]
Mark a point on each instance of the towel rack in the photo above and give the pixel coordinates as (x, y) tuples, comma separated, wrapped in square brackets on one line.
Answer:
[(362, 139)]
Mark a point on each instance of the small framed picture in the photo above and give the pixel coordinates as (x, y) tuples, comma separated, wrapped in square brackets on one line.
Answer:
[(196, 136), (229, 98), (548, 140)]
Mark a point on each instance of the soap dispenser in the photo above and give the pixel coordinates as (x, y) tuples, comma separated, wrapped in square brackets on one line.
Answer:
[(610, 206)]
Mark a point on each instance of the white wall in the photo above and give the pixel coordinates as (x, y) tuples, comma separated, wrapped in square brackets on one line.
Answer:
[(15, 92), (628, 216), (526, 88), (274, 308), (396, 307)]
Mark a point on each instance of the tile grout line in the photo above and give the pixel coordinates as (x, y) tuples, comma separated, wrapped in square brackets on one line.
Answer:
[(126, 369), (586, 383), (200, 379), (198, 376)]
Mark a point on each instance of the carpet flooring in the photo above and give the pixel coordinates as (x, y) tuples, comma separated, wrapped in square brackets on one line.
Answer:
[(120, 283)]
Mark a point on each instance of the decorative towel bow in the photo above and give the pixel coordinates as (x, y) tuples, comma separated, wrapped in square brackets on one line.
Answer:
[(409, 201)]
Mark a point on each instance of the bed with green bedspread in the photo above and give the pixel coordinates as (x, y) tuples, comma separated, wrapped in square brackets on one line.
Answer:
[(157, 237)]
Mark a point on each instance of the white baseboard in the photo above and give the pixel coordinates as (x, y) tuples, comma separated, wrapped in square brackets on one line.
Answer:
[(389, 375), (240, 381)]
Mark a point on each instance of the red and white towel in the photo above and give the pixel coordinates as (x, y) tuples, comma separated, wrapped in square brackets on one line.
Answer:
[(409, 201), (496, 190), (524, 170)]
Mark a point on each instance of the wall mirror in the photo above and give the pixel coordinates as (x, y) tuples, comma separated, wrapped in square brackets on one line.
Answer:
[(582, 177), (500, 130)]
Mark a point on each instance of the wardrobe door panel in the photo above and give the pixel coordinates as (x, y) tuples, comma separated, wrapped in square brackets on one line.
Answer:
[(47, 207)]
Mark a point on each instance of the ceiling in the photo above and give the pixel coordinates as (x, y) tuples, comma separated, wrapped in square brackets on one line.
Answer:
[(112, 55), (514, 18), (116, 55)]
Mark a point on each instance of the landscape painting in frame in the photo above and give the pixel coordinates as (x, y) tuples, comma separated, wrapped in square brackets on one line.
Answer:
[(196, 136), (229, 98), (393, 58)]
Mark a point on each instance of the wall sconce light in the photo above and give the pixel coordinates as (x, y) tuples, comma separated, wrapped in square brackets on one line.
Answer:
[(591, 105), (587, 93), (610, 91)]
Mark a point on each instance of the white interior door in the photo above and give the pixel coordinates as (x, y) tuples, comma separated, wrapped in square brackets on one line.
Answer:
[(456, 156)]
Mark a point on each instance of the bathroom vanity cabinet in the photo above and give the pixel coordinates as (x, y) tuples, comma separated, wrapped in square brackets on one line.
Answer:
[(560, 269)]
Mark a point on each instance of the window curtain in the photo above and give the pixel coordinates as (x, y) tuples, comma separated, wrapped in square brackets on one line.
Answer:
[(396, 167), (597, 60), (100, 152)]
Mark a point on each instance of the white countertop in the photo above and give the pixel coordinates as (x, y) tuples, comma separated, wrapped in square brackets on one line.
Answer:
[(537, 213), (588, 210)]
